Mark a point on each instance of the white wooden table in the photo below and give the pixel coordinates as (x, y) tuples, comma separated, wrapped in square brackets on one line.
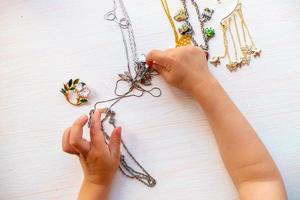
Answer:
[(44, 43)]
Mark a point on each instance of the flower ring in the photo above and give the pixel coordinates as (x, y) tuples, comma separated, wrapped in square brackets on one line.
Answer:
[(75, 92)]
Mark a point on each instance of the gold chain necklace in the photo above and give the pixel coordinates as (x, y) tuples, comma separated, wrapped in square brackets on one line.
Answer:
[(182, 40), (245, 49)]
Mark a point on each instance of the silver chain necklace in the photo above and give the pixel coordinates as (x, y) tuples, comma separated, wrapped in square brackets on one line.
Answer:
[(141, 77)]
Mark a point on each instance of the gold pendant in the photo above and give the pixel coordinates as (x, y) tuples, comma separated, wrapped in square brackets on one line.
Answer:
[(256, 52), (215, 61), (181, 15), (246, 60), (233, 66), (244, 48), (184, 40), (239, 63)]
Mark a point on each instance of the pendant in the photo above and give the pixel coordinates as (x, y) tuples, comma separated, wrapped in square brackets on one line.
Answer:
[(239, 63), (181, 15), (184, 40), (140, 63), (233, 66), (209, 32), (246, 60), (215, 61), (246, 50), (185, 29), (256, 52), (207, 14)]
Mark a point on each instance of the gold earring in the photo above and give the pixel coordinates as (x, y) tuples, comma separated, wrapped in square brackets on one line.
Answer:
[(243, 48)]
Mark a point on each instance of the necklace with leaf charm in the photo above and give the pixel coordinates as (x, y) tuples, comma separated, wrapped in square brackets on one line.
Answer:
[(186, 28)]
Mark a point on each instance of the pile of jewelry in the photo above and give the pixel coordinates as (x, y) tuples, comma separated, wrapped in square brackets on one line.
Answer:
[(243, 50), (139, 76), (186, 28)]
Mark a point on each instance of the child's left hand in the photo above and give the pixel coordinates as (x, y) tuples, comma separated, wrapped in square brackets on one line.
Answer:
[(98, 160)]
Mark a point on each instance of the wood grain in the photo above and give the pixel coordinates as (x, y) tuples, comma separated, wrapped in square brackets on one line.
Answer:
[(44, 43)]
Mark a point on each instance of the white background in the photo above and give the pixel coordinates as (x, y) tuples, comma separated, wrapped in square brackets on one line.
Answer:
[(43, 43)]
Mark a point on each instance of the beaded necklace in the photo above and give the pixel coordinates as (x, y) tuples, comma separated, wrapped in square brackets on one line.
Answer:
[(186, 30)]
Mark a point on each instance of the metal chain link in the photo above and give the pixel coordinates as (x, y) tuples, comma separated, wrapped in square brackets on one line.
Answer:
[(126, 170), (143, 76)]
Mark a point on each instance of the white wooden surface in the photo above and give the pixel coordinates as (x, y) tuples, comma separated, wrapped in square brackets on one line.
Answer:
[(44, 43)]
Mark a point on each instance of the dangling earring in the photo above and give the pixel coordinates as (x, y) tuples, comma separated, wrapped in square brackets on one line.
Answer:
[(243, 48)]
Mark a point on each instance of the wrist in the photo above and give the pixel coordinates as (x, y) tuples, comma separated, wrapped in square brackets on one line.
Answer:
[(93, 191), (210, 95), (203, 87)]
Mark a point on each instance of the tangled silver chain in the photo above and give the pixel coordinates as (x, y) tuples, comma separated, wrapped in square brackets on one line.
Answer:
[(137, 81)]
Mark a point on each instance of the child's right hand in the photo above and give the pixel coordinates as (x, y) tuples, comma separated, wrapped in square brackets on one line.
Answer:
[(184, 67), (249, 164)]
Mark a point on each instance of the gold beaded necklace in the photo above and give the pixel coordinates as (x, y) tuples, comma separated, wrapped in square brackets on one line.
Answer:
[(183, 40)]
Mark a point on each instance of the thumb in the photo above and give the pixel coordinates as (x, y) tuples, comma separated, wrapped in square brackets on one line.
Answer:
[(115, 142), (160, 62), (159, 57)]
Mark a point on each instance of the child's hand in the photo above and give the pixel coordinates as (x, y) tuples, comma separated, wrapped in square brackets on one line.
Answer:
[(249, 164), (183, 67), (98, 160)]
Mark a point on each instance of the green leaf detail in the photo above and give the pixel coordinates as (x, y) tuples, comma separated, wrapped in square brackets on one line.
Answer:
[(76, 81), (70, 82), (63, 91), (65, 87), (72, 88), (83, 100)]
